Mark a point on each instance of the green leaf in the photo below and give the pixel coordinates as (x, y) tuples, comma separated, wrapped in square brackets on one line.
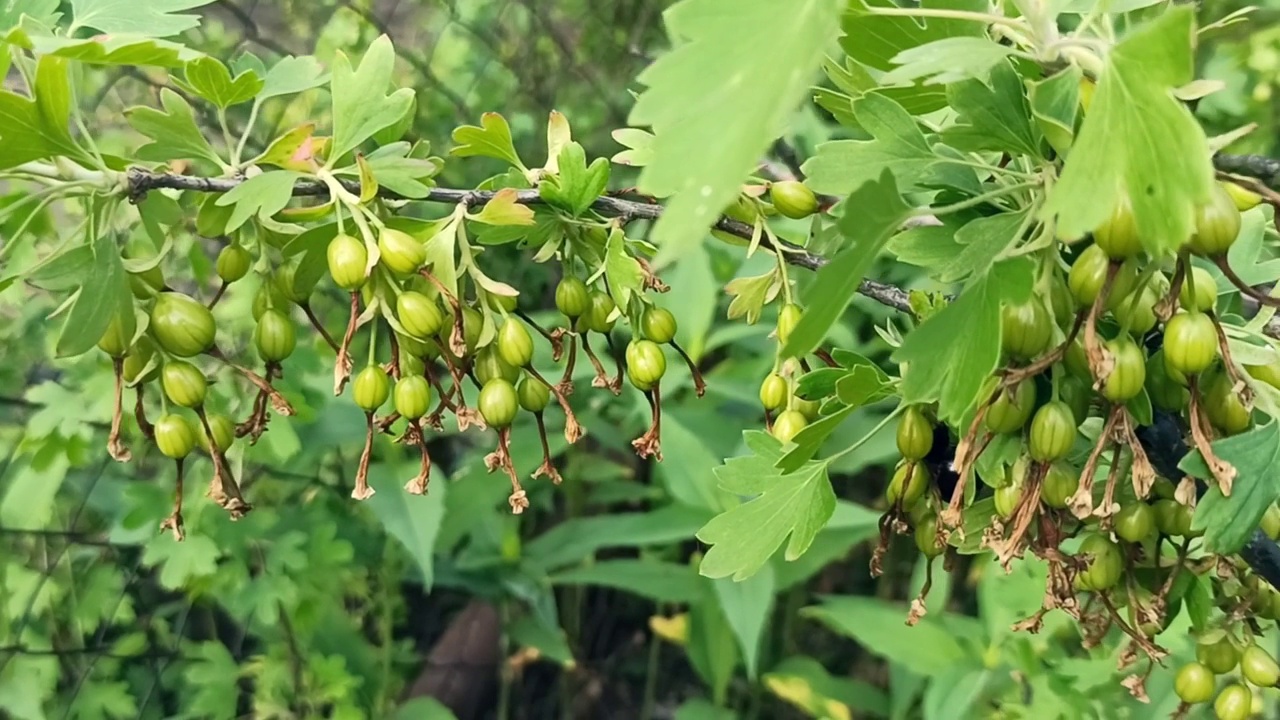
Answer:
[(806, 684), (504, 210), (33, 482), (173, 131), (44, 12), (712, 649), (785, 504), (840, 167), (871, 215), (699, 709), (927, 246), (953, 353), (750, 295), (993, 115), (153, 18), (658, 581), (640, 144), (1248, 259), (423, 708), (809, 440), (31, 130), (195, 557), (64, 271), (397, 171), (105, 295), (983, 240), (112, 50), (1140, 140), (361, 105), (577, 186), (578, 538), (292, 75), (715, 102), (876, 40), (864, 385), (262, 195), (211, 674), (946, 61), (747, 606), (623, 271), (491, 139), (1054, 103), (550, 642), (1229, 521), (211, 80), (955, 692), (414, 520), (927, 649)]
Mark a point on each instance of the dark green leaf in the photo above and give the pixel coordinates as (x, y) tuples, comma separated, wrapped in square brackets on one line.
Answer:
[(1229, 521), (809, 440), (871, 215), (105, 294), (927, 649), (993, 116), (661, 582), (875, 40), (550, 642), (984, 240), (952, 354), (1054, 103), (818, 384), (805, 683), (413, 520), (573, 540)]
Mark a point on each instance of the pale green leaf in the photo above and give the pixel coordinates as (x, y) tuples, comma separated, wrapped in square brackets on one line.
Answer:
[(292, 75), (491, 139), (110, 50), (153, 18), (262, 195), (194, 557), (44, 12), (1139, 140), (504, 210), (875, 40), (173, 131), (715, 101), (577, 185), (745, 537), (946, 61), (806, 684), (361, 105), (841, 166), (639, 144), (623, 271)]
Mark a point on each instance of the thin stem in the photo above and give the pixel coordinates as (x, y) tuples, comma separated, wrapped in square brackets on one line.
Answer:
[(879, 426), (244, 138)]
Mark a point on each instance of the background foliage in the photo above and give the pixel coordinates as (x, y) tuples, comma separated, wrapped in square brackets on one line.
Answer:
[(590, 605)]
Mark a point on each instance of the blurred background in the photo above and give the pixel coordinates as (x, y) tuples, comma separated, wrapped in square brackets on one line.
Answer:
[(587, 606)]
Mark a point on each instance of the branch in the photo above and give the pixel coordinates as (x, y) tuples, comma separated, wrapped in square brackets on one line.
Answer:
[(139, 181)]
